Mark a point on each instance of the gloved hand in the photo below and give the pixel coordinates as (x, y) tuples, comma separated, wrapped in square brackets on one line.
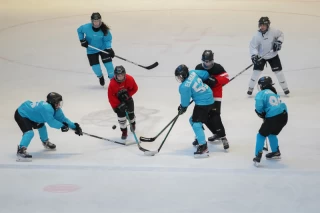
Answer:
[(211, 81), (84, 43), (261, 115), (255, 60), (123, 95), (277, 46), (65, 127), (78, 130), (182, 109), (110, 51)]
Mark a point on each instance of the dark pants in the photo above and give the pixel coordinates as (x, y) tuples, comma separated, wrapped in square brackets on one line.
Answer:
[(94, 58), (214, 122), (25, 124), (274, 62), (273, 125)]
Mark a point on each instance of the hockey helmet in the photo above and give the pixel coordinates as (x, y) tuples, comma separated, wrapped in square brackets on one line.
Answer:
[(265, 82), (181, 73), (55, 99), (119, 73)]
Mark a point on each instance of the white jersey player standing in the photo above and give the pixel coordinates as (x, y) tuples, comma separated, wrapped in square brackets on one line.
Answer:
[(265, 40)]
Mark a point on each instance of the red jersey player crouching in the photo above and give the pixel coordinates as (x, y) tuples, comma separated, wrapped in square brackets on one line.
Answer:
[(218, 78), (120, 91)]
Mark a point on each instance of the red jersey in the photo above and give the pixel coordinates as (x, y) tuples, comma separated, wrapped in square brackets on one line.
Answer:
[(220, 75), (114, 87)]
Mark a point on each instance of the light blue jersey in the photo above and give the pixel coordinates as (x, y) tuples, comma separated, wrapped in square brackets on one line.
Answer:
[(42, 112), (96, 39), (194, 88), (270, 103)]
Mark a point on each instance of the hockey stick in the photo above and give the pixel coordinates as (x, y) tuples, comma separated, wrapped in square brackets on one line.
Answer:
[(135, 136), (106, 139), (152, 153), (146, 67), (249, 66), (144, 139)]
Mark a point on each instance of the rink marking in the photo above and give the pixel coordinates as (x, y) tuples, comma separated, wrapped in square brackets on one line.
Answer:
[(252, 170)]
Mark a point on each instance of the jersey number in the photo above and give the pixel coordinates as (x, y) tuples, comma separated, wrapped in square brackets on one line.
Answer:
[(274, 101), (199, 86)]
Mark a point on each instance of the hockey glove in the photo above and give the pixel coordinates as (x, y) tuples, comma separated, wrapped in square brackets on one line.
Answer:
[(84, 43), (256, 60), (211, 82), (277, 46), (123, 95), (261, 115), (182, 109), (65, 127), (111, 52), (78, 130)]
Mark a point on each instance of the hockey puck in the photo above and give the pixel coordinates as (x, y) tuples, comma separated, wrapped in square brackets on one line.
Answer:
[(114, 127)]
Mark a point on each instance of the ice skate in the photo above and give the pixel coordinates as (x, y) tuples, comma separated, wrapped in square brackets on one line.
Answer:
[(101, 80), (225, 143), (274, 155), (250, 90), (23, 155), (48, 145), (257, 159), (202, 151)]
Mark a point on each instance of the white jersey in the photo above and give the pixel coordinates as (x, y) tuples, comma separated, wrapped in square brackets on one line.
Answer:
[(263, 43)]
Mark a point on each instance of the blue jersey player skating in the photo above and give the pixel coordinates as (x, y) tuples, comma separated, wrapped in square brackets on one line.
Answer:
[(97, 34), (273, 111), (33, 115), (193, 87)]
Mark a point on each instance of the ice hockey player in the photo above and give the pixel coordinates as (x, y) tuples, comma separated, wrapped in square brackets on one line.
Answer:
[(97, 34), (120, 91), (218, 78), (269, 107), (33, 115), (192, 87), (263, 41)]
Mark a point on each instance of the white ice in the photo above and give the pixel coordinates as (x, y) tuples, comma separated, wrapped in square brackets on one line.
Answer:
[(40, 52)]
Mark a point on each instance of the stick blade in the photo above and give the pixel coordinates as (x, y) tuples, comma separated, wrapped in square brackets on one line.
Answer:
[(143, 139), (150, 153), (151, 66)]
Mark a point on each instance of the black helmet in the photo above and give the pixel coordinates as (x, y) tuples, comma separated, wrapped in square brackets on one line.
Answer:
[(95, 16), (264, 20), (54, 98), (265, 82), (119, 70), (207, 55), (181, 73)]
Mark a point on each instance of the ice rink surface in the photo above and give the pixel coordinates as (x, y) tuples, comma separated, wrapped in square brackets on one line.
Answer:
[(40, 53)]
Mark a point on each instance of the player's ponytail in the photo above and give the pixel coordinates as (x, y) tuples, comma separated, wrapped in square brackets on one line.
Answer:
[(104, 28)]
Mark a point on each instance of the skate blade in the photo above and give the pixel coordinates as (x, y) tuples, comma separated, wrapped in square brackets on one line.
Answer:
[(204, 155), (48, 149), (24, 159), (274, 158), (256, 164), (226, 150)]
